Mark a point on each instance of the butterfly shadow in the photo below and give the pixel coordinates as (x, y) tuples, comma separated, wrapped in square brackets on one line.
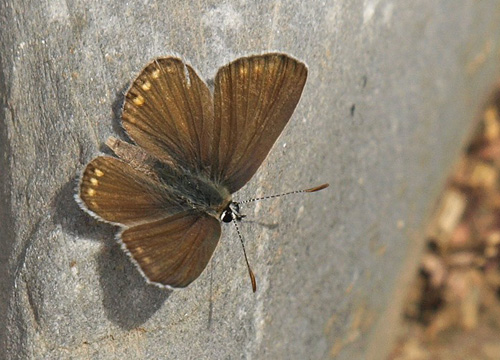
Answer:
[(269, 226), (127, 299), (117, 107)]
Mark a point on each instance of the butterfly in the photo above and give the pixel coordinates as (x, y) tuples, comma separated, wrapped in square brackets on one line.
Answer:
[(172, 188)]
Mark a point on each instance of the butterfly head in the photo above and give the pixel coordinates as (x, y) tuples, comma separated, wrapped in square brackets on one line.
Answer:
[(231, 212)]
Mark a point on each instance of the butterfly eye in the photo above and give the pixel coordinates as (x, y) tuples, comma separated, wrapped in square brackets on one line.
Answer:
[(227, 216)]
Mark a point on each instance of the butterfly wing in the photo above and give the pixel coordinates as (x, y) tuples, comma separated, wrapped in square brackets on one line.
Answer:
[(254, 99), (175, 250), (170, 242), (121, 194), (168, 111)]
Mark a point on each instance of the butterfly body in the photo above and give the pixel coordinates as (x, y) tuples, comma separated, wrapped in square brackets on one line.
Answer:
[(181, 186), (197, 191), (193, 149)]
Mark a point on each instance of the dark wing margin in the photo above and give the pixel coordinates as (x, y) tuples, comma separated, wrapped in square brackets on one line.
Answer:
[(168, 111), (254, 99), (173, 251), (115, 192)]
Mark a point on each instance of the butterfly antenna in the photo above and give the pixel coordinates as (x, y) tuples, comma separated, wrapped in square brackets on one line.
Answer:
[(314, 189), (250, 272)]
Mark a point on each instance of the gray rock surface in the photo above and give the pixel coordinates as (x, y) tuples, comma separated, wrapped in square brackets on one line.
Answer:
[(392, 88)]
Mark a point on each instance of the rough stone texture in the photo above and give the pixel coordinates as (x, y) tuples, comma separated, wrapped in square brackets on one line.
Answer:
[(392, 88)]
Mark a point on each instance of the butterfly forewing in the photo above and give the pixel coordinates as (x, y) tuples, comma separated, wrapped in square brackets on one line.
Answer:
[(254, 99), (175, 250), (118, 193), (168, 111)]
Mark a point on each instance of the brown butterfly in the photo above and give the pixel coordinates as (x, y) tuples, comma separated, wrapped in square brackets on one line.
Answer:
[(171, 190)]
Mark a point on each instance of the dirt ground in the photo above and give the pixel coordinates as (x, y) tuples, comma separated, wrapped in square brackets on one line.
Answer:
[(453, 308)]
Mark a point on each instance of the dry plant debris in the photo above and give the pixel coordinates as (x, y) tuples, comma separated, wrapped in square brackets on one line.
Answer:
[(453, 309)]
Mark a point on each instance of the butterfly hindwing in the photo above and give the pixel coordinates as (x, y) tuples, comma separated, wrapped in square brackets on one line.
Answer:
[(175, 250)]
